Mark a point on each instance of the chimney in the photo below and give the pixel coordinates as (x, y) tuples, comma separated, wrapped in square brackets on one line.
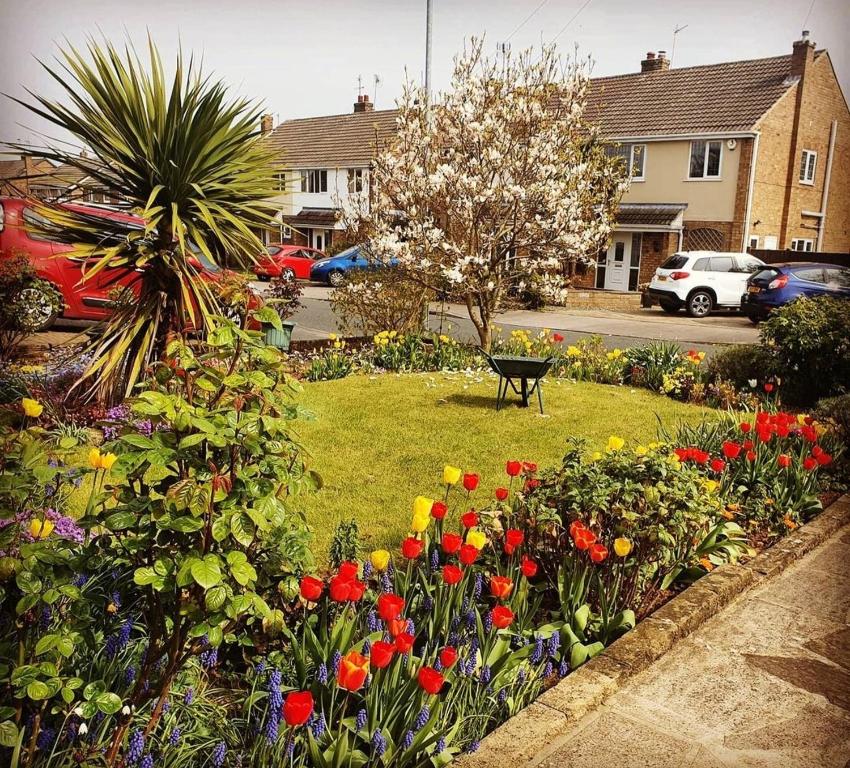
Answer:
[(802, 56), (363, 104), (266, 123), (655, 63)]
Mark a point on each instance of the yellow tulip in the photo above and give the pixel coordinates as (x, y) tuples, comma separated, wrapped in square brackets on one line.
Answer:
[(107, 460), (801, 418), (614, 443), (451, 474), (419, 523), (595, 456), (422, 506), (380, 559), (40, 529), (32, 408), (641, 450), (94, 458), (622, 547), (710, 485), (476, 538)]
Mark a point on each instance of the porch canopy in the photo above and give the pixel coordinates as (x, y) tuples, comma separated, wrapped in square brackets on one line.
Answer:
[(650, 217)]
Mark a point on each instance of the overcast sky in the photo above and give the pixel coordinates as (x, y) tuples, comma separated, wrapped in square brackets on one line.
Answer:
[(303, 58)]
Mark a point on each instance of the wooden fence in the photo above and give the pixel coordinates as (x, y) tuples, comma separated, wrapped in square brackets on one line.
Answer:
[(779, 257)]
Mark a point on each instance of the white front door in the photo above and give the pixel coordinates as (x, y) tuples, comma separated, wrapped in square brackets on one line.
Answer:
[(618, 262), (319, 240)]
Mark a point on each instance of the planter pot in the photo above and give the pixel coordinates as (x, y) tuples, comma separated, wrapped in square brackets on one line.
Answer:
[(279, 338)]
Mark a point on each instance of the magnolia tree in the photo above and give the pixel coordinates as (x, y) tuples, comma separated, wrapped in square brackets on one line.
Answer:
[(497, 184)]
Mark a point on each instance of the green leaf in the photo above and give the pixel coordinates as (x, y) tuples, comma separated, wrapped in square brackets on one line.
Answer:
[(37, 690), (46, 644), (8, 734), (108, 703), (207, 572), (215, 597), (28, 582), (138, 441), (243, 573), (120, 521), (144, 576), (242, 529), (184, 524)]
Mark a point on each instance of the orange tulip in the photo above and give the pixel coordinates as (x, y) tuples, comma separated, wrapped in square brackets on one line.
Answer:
[(352, 671)]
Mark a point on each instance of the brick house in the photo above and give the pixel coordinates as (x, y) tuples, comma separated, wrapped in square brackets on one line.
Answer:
[(744, 154), (324, 167), (26, 176)]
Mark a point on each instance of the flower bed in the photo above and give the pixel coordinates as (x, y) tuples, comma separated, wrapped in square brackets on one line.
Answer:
[(180, 621)]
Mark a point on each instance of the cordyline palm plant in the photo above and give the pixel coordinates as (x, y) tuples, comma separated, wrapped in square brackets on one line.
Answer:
[(186, 159)]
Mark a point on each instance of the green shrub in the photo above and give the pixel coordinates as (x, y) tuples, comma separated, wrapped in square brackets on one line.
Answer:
[(647, 365), (835, 412), (744, 365), (810, 341)]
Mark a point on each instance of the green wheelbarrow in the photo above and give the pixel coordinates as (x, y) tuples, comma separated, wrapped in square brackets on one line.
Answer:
[(518, 370)]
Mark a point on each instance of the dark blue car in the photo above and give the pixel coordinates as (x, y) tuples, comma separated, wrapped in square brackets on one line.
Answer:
[(777, 284), (333, 269)]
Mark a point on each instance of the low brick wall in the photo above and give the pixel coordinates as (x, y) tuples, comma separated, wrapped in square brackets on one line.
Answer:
[(579, 298)]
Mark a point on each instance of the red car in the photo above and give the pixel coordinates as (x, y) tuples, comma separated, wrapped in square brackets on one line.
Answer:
[(21, 231), (295, 259)]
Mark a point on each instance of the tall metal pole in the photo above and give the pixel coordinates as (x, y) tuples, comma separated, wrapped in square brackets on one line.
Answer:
[(428, 14)]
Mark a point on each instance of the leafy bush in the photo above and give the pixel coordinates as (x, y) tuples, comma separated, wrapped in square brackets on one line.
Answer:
[(647, 365), (284, 295), (835, 412), (381, 299), (746, 366), (810, 341)]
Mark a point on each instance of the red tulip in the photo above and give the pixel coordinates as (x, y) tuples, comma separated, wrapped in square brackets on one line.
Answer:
[(411, 548), (764, 432), (352, 670), (438, 510), (731, 450), (745, 426), (575, 527), (404, 642), (809, 434), (768, 387), (297, 708), (348, 570), (718, 465), (598, 553), (430, 680), (531, 484), (529, 467), (782, 430), (513, 468), (584, 539), (751, 455), (448, 656), (340, 589), (747, 445), (452, 574), (468, 554), (528, 567), (390, 606), (451, 543), (381, 654), (824, 459), (502, 616), (809, 463), (513, 539), (470, 481), (783, 460), (396, 626), (311, 588), (470, 519), (502, 493), (557, 338), (501, 587), (816, 451)]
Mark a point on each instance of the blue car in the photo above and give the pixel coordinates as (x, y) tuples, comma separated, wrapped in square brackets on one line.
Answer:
[(777, 284), (334, 269)]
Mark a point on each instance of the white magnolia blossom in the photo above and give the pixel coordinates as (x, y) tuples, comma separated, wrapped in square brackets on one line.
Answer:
[(500, 183)]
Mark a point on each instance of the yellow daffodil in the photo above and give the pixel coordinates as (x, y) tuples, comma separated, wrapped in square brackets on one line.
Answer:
[(573, 351), (40, 529), (614, 443), (476, 538), (380, 559), (595, 456), (451, 474), (641, 450), (332, 336), (32, 408), (444, 339), (622, 547)]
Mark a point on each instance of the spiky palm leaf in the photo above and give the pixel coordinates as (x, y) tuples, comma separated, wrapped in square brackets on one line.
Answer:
[(188, 160)]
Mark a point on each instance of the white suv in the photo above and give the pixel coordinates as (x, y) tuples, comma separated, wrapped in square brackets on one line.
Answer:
[(701, 281)]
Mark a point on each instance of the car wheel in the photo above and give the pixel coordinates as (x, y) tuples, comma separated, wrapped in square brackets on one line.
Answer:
[(37, 306), (336, 278), (700, 303), (669, 308)]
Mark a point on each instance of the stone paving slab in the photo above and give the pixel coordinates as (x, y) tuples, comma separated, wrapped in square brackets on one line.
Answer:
[(764, 681)]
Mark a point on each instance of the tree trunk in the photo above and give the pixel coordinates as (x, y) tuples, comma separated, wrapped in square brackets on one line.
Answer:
[(481, 321)]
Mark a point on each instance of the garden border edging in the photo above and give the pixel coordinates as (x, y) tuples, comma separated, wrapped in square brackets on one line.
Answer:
[(518, 740)]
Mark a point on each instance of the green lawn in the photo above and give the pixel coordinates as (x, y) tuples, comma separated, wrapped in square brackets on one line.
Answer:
[(379, 441)]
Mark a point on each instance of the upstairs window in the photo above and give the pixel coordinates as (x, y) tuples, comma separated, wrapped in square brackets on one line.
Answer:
[(808, 162), (314, 182), (633, 156), (356, 180), (705, 159)]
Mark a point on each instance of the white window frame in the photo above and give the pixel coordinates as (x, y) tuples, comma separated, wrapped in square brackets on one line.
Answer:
[(311, 181), (705, 176), (280, 179), (285, 232), (803, 244), (808, 160), (754, 241), (357, 180), (632, 148)]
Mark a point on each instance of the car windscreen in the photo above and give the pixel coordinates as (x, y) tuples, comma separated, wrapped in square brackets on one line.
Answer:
[(676, 261), (273, 250)]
